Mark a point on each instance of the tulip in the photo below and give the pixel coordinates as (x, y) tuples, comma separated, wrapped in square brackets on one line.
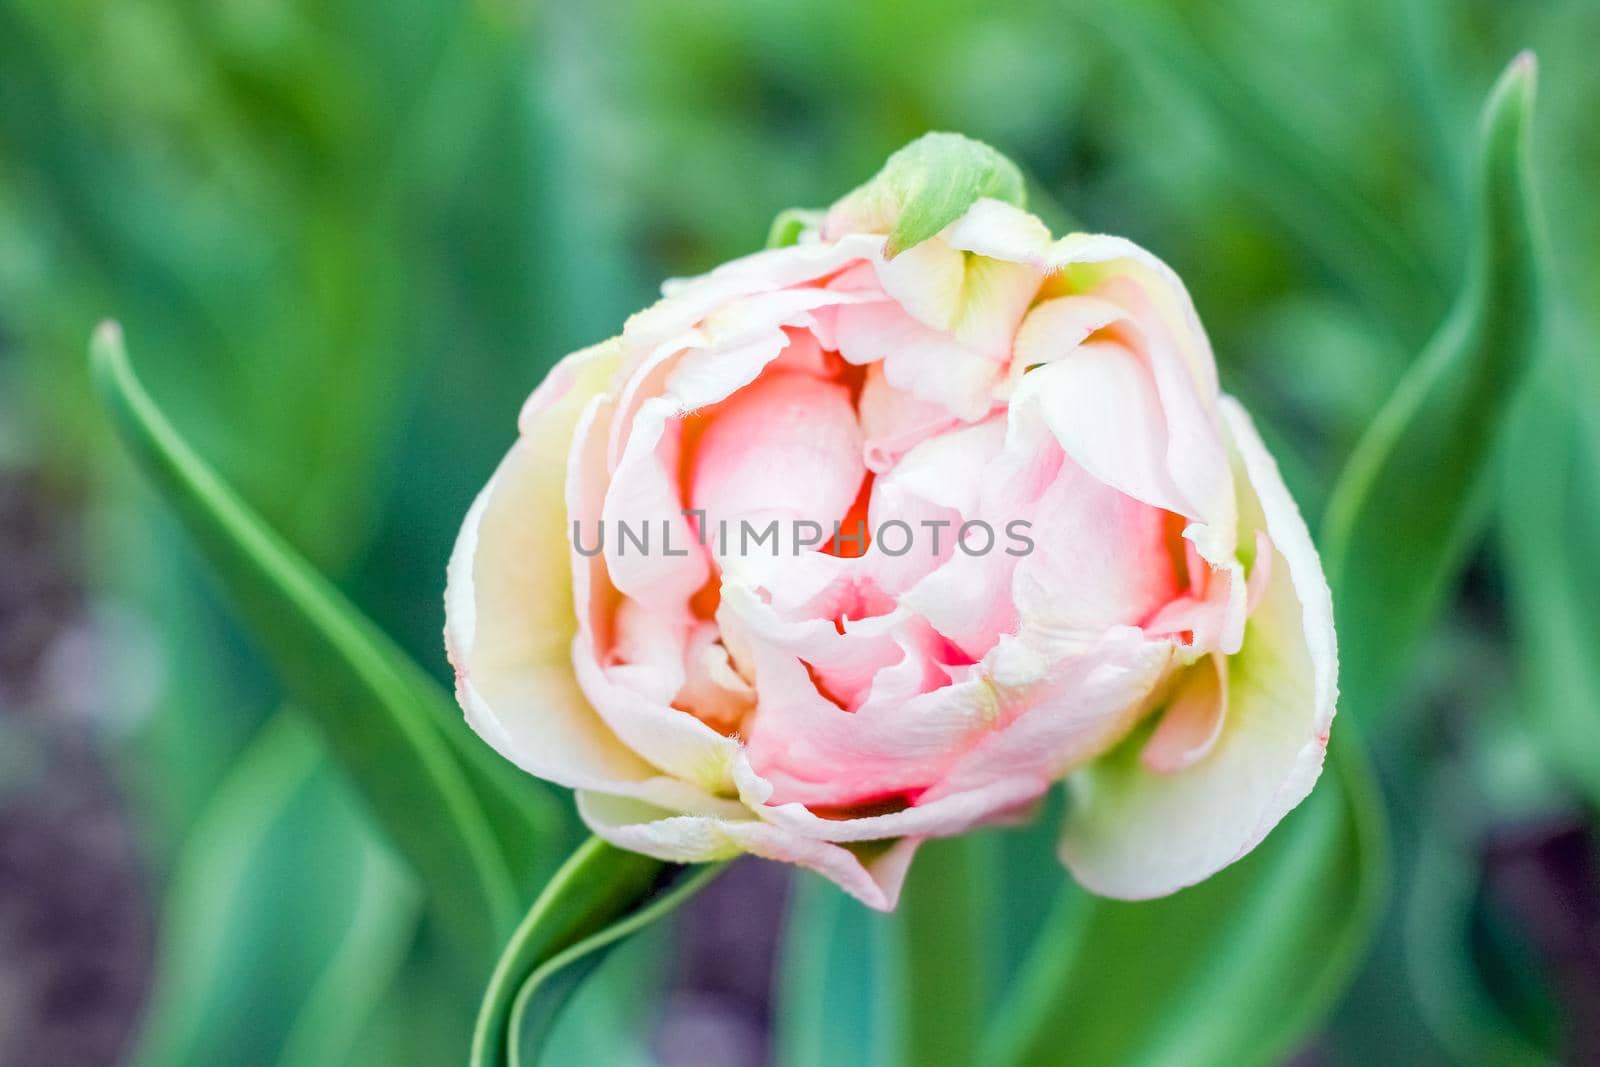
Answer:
[(877, 535)]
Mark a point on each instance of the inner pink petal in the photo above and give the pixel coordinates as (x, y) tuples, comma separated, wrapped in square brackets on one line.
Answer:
[(786, 447), (1101, 558), (1193, 721)]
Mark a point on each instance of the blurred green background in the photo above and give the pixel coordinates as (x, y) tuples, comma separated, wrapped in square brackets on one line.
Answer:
[(346, 238)]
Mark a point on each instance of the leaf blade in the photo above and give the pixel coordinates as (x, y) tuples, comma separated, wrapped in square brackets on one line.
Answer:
[(546, 990), (1410, 500), (602, 893), (364, 695), (1550, 523), (285, 920), (936, 944), (1169, 960)]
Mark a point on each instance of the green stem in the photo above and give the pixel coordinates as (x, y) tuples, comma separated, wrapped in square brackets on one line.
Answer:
[(600, 895), (938, 955)]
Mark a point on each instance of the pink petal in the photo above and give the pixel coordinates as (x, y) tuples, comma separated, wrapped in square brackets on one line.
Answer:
[(786, 447), (1101, 557), (894, 421), (926, 363), (1193, 719), (679, 838)]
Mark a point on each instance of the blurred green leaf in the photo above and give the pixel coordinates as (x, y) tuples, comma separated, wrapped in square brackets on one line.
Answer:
[(1307, 184), (937, 956), (1234, 970), (1444, 975), (1406, 508), (599, 896), (789, 224), (913, 986), (380, 716), (286, 920), (829, 1011), (1550, 519)]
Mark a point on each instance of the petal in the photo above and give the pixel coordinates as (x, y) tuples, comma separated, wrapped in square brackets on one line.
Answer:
[(948, 470), (1214, 620), (734, 345), (969, 598), (1133, 834), (1100, 559), (952, 813), (509, 619), (1192, 722), (1068, 698), (1087, 260), (1162, 326), (929, 364), (1102, 404), (713, 690), (894, 421), (1000, 230), (933, 488), (628, 656), (677, 742), (977, 300), (871, 875), (689, 300), (786, 447), (1055, 328)]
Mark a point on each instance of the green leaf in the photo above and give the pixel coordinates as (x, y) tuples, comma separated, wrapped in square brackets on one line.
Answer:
[(1550, 519), (830, 1013), (937, 955), (1407, 506), (1234, 970), (929, 184), (1445, 976), (547, 989), (910, 987), (286, 919), (790, 224), (389, 726), (599, 896), (1248, 113), (613, 1016)]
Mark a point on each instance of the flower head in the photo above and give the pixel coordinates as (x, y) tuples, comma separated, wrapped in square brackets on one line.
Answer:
[(876, 536)]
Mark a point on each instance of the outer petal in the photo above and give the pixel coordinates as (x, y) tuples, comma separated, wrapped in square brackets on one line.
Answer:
[(1163, 326), (1134, 834), (872, 874), (509, 619), (1112, 257)]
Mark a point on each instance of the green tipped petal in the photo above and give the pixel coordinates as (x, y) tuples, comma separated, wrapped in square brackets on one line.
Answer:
[(926, 186)]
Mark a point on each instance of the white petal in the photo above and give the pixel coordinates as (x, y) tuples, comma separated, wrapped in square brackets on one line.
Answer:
[(509, 619), (874, 880), (1134, 834)]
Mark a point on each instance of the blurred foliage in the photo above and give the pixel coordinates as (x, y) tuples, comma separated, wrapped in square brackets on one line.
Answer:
[(346, 238)]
